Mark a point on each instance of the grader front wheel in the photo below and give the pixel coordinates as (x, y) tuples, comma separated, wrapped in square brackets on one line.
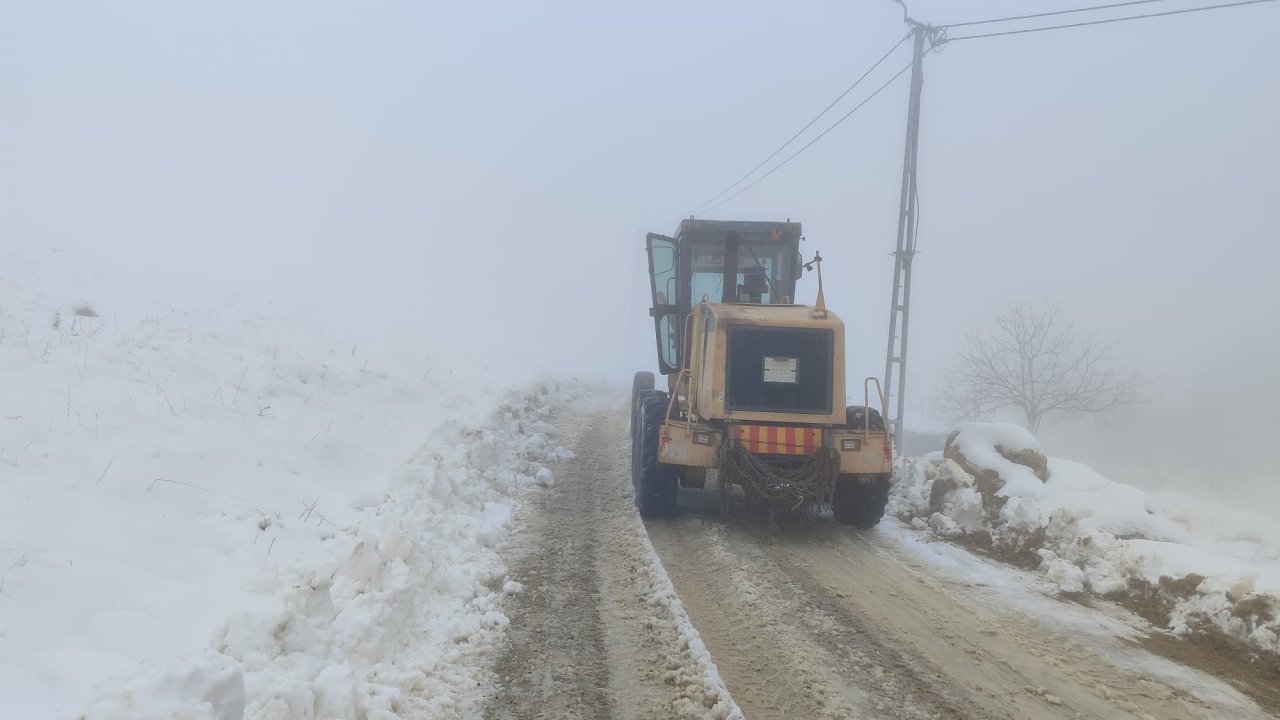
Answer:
[(655, 483), (640, 384)]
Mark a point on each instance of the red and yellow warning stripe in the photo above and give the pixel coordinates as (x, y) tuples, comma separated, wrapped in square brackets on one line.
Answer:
[(778, 440)]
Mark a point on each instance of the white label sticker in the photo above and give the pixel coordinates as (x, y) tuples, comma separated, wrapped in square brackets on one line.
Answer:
[(780, 370)]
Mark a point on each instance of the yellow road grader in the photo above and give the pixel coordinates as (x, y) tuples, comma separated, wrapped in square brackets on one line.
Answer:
[(755, 383)]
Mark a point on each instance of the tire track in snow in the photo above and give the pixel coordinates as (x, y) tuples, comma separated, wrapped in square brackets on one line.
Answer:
[(785, 649), (597, 631), (821, 621)]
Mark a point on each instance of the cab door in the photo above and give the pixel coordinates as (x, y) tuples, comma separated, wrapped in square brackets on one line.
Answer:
[(665, 287)]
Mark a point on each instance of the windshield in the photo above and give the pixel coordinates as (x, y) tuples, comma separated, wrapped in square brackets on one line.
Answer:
[(774, 259)]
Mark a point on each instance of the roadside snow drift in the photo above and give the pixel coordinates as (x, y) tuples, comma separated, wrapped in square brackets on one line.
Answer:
[(393, 616), (171, 456), (1193, 565)]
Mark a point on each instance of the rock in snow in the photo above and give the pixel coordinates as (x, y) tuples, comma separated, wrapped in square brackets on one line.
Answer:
[(1217, 567)]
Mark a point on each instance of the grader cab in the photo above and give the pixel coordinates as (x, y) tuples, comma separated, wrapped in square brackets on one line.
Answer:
[(755, 384)]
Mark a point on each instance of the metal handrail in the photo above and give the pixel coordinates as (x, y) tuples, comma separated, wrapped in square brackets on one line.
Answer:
[(866, 402)]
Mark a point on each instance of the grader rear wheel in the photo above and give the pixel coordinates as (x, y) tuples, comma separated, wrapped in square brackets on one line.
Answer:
[(858, 417), (859, 500)]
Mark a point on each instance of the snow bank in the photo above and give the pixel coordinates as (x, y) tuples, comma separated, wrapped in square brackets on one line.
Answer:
[(393, 616), (1185, 562), (207, 686), (170, 454)]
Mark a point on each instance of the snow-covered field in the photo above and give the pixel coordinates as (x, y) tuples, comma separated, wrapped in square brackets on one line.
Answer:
[(234, 498), (1203, 565)]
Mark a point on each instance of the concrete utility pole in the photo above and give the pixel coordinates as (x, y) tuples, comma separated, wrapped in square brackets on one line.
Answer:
[(900, 310)]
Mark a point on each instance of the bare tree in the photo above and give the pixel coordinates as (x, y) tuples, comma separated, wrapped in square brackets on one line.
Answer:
[(1034, 361)]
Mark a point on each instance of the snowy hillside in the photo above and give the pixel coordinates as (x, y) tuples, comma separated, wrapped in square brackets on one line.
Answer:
[(170, 456)]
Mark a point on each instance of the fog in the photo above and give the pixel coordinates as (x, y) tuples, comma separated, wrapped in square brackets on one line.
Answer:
[(482, 175)]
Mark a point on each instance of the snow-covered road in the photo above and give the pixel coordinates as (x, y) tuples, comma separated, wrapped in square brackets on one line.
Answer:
[(822, 621), (815, 620)]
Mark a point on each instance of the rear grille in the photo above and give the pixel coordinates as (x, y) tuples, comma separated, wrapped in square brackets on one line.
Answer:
[(784, 370)]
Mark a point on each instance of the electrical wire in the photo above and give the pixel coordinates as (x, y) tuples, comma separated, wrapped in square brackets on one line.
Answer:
[(821, 135), (1108, 20), (1050, 14), (802, 130)]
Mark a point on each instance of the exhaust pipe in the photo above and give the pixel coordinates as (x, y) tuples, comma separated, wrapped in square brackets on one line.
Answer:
[(730, 294)]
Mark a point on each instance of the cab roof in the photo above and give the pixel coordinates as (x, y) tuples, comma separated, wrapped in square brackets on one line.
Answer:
[(693, 230)]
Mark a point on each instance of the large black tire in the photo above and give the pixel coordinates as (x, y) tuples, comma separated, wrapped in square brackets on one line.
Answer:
[(854, 417), (641, 383), (656, 484), (859, 500)]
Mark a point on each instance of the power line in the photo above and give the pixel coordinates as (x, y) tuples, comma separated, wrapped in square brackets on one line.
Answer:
[(821, 135), (1050, 14), (801, 131), (1109, 20)]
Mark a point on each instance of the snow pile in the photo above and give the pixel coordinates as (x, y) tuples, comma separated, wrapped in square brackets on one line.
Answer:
[(1173, 558), (393, 616), (209, 686), (171, 454)]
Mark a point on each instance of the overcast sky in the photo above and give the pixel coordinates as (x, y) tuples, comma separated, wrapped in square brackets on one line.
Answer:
[(422, 165)]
